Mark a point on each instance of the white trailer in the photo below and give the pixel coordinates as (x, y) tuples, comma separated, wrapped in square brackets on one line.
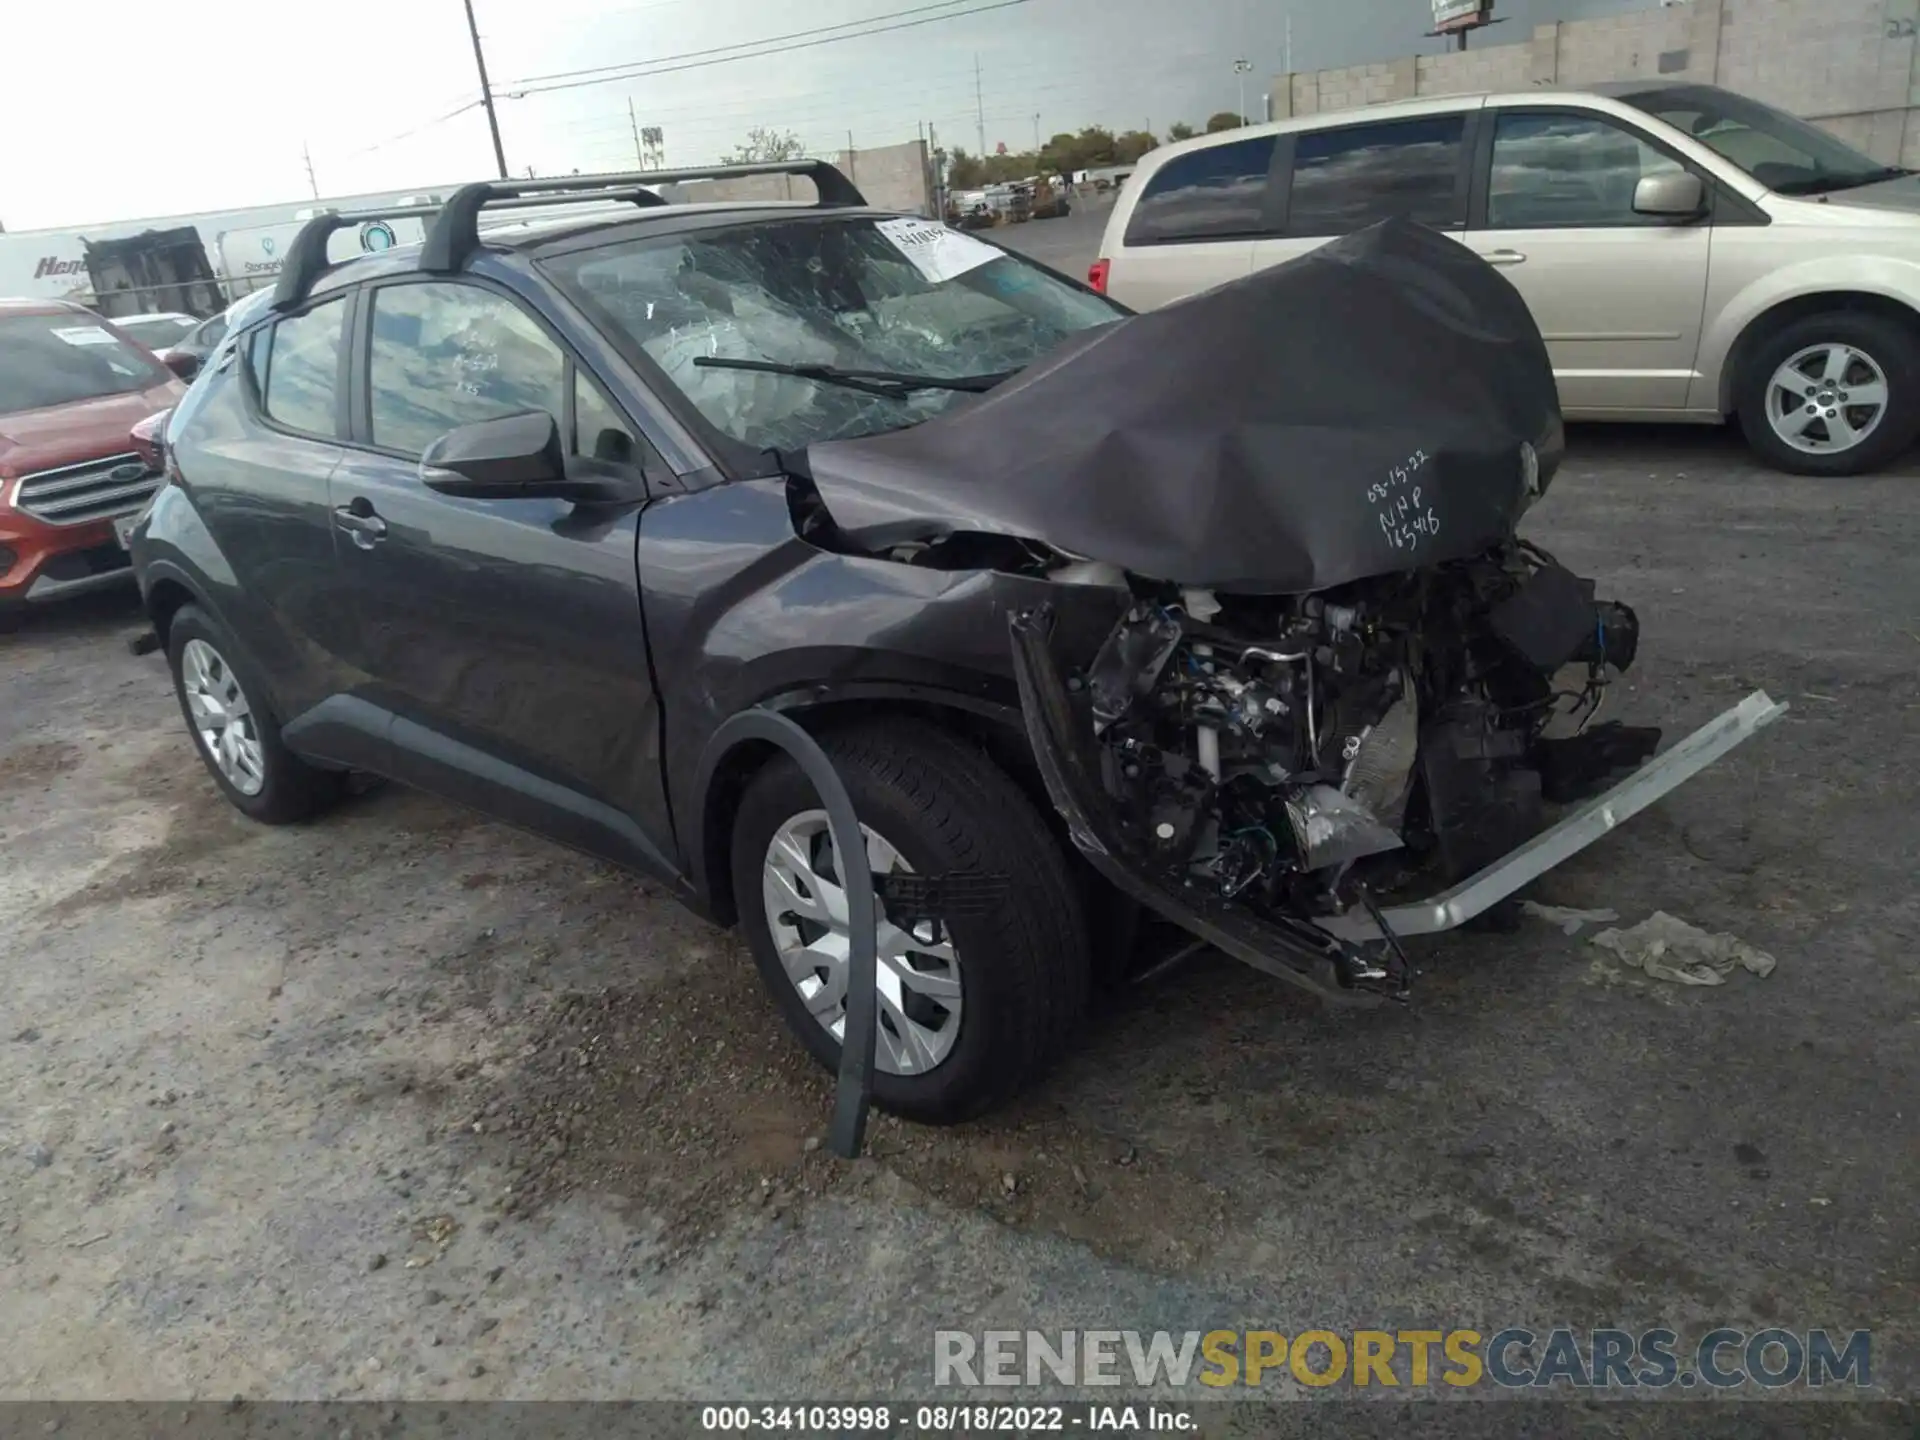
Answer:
[(181, 262)]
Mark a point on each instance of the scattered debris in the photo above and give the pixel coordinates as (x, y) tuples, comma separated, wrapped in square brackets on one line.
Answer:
[(1569, 921), (378, 1262), (26, 1036), (38, 1156), (1668, 948), (91, 1240)]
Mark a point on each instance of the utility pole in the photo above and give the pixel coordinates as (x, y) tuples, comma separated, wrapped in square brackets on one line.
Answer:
[(306, 154), (1036, 135), (486, 91), (1289, 40), (1240, 69), (639, 155), (979, 107)]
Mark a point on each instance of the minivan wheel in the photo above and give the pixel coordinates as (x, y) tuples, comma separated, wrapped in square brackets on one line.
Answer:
[(237, 736), (1834, 394), (970, 1010)]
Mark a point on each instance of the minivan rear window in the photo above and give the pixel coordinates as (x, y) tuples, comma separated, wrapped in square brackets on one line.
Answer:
[(1347, 179), (1208, 194)]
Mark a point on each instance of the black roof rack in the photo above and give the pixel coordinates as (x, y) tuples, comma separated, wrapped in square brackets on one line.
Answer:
[(307, 256), (455, 233)]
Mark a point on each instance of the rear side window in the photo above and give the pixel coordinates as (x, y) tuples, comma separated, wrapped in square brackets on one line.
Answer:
[(445, 355), (297, 365), (1347, 179), (1208, 194)]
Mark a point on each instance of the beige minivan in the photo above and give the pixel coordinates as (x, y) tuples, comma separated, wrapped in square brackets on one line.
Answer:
[(1690, 254)]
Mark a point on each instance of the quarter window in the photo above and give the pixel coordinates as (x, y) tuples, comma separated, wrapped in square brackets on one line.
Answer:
[(447, 355), (1347, 179), (1551, 170), (1204, 195), (299, 380), (599, 431)]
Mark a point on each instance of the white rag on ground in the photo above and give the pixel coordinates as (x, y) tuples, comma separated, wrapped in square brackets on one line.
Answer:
[(1668, 948)]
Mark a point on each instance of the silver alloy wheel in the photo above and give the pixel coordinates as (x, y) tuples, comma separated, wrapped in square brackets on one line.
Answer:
[(222, 718), (1827, 399), (918, 973)]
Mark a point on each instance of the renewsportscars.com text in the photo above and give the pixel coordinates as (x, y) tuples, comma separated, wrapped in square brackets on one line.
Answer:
[(1514, 1358)]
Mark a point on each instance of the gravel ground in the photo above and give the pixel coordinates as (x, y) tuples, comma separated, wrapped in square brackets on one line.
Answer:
[(406, 1104)]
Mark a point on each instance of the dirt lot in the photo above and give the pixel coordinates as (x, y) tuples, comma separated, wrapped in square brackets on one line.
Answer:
[(404, 1103)]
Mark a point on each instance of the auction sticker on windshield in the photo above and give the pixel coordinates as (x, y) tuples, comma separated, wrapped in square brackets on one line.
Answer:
[(935, 251), (84, 335)]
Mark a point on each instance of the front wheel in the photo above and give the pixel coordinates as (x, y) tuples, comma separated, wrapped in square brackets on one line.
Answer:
[(236, 734), (971, 1009), (1833, 394)]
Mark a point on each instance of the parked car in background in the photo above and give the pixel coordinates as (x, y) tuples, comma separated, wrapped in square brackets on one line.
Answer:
[(71, 388), (1690, 254), (192, 350), (159, 331)]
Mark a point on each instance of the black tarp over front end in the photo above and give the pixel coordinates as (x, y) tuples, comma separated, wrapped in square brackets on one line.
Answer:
[(1363, 409)]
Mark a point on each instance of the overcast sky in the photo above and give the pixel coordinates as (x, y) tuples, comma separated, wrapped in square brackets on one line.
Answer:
[(146, 111)]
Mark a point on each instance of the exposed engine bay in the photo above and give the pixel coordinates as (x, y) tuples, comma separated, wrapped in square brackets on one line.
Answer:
[(1342, 693), (1294, 754)]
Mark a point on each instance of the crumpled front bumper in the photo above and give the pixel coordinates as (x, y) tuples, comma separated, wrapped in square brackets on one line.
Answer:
[(1572, 833), (1321, 954)]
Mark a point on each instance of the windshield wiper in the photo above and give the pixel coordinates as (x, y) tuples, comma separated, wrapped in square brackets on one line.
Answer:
[(871, 382)]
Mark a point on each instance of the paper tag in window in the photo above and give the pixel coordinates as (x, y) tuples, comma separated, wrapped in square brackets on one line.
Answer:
[(83, 335), (935, 251)]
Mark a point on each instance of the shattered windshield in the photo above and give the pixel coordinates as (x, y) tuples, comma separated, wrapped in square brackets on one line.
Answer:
[(900, 296)]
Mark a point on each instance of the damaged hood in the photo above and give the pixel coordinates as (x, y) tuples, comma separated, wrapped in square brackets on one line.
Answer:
[(1382, 403)]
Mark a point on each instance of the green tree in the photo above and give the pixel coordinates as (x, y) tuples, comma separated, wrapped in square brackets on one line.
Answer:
[(964, 171), (1132, 145), (1097, 147), (1180, 130), (1224, 120), (764, 144)]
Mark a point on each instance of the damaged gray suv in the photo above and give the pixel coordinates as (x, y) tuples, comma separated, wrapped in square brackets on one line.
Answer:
[(1096, 614)]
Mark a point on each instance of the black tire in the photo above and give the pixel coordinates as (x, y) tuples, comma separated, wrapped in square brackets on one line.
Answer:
[(291, 790), (1895, 348), (945, 807)]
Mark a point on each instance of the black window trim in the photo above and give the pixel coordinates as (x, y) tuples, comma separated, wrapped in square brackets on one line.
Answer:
[(646, 457), (1724, 205), (1272, 199), (256, 386), (1464, 167)]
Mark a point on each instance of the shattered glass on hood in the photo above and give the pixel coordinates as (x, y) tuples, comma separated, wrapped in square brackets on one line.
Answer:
[(853, 292), (1380, 404)]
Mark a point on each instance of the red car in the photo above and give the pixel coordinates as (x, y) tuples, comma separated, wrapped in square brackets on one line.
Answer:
[(71, 388)]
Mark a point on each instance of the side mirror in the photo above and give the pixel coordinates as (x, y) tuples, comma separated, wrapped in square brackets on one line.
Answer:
[(181, 363), (519, 457), (1679, 196)]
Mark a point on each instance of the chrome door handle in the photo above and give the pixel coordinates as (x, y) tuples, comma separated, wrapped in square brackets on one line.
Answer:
[(359, 521), (1504, 257)]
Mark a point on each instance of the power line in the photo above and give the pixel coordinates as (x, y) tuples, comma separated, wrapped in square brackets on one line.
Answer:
[(736, 45), (659, 69)]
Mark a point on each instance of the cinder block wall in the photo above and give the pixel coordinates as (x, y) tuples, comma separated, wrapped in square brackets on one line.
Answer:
[(892, 177), (1852, 66)]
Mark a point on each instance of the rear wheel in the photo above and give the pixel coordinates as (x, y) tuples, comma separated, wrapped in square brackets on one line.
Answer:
[(971, 1009), (1834, 394), (237, 736)]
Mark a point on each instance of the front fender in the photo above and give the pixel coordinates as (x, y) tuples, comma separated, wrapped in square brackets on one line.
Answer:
[(1890, 277)]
